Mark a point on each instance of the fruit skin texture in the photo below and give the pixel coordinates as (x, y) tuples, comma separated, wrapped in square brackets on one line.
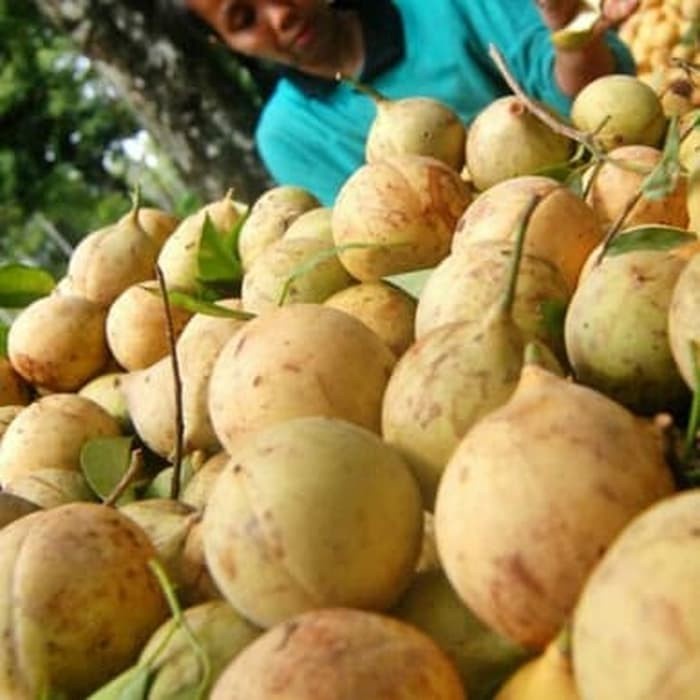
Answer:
[(387, 310), (533, 496), (49, 434), (482, 657), (111, 259), (13, 390), (506, 140), (314, 223), (445, 383), (469, 281), (548, 677), (563, 229), (340, 654), (684, 319), (315, 275), (271, 371), (137, 331), (616, 331), (404, 209), (270, 217), (312, 513), (58, 342), (613, 187), (641, 605), (419, 126), (77, 600), (634, 111)]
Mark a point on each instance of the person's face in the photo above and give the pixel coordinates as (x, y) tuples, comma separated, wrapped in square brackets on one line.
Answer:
[(293, 32)]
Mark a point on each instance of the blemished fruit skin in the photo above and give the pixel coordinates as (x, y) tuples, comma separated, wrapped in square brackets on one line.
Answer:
[(271, 372), (340, 654), (419, 126), (397, 215), (535, 493), (506, 140), (76, 584), (271, 215), (310, 513), (563, 229), (641, 604), (58, 342), (616, 331)]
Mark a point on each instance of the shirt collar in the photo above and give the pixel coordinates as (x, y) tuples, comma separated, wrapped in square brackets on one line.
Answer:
[(383, 35)]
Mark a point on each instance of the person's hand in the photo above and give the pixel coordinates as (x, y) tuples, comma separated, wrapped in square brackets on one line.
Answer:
[(558, 13), (617, 11)]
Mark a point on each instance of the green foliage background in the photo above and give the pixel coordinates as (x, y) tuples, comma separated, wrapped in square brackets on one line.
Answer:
[(55, 118)]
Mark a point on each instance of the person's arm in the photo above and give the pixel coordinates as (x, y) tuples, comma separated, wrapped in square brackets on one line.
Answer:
[(575, 68)]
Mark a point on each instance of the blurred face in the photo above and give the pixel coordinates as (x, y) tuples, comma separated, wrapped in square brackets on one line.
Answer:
[(299, 33)]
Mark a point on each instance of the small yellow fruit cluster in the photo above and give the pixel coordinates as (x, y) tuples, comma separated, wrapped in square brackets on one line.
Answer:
[(659, 32)]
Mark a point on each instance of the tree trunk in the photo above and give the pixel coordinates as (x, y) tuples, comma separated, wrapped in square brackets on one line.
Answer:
[(179, 90)]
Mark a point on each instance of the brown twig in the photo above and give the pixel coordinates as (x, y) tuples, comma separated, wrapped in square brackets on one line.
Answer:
[(585, 139), (135, 466), (542, 114), (177, 381), (616, 227)]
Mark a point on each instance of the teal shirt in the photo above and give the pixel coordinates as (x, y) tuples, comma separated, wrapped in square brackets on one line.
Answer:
[(317, 141)]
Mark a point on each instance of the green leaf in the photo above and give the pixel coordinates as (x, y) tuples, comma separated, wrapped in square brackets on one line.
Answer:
[(561, 172), (4, 330), (649, 238), (217, 258), (662, 180), (104, 461), (411, 282), (132, 684), (553, 315), (137, 688), (20, 285), (201, 306), (160, 486), (694, 419), (52, 694)]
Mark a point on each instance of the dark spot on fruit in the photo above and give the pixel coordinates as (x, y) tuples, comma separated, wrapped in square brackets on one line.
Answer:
[(257, 380), (520, 572)]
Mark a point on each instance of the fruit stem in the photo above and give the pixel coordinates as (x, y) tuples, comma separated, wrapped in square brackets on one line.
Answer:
[(368, 90), (508, 300), (177, 382), (533, 354), (181, 621), (564, 641), (694, 420), (135, 466)]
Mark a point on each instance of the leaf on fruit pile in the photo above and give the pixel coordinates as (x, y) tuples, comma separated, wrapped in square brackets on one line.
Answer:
[(161, 485), (198, 305), (132, 684), (217, 259), (4, 330), (662, 180), (649, 238), (325, 254), (20, 285), (104, 461), (553, 315), (411, 282)]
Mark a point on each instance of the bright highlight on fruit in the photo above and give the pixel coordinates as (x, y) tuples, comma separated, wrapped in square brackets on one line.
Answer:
[(579, 31)]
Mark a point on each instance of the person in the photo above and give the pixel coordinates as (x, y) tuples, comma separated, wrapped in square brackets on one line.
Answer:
[(312, 129)]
